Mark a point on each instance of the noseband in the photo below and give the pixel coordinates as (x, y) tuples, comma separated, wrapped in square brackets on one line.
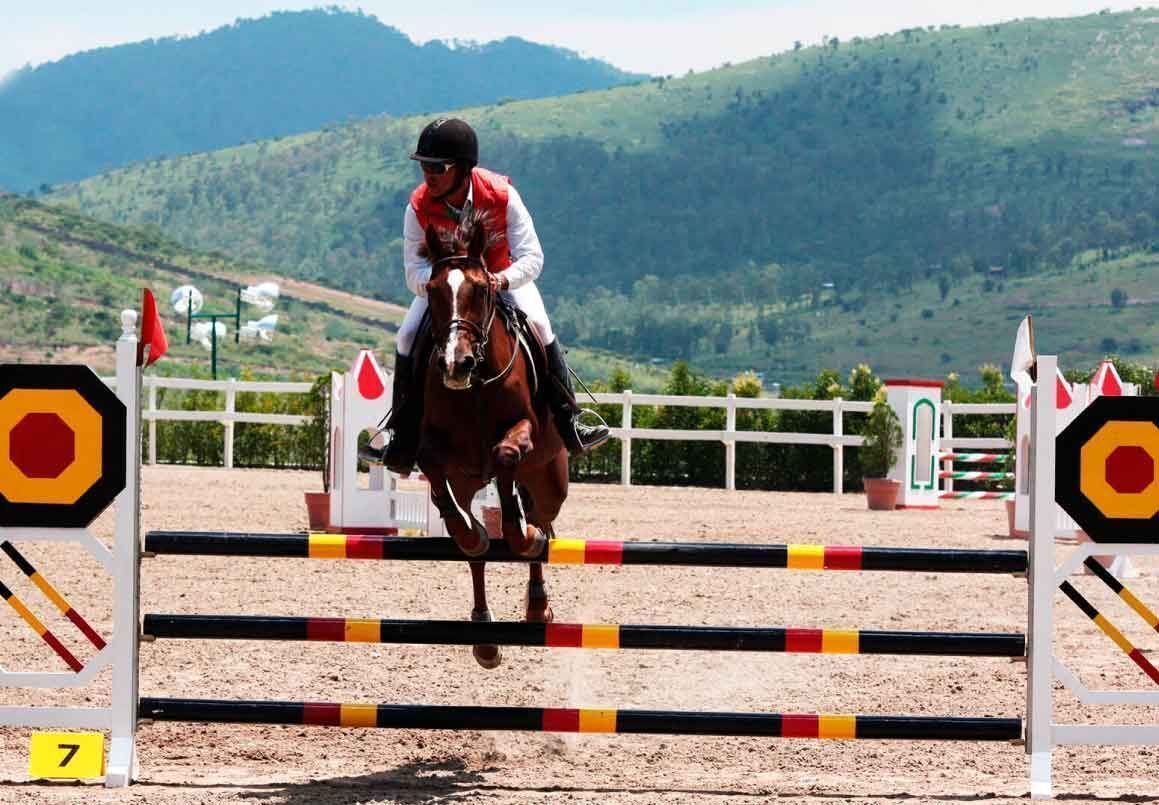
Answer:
[(481, 333)]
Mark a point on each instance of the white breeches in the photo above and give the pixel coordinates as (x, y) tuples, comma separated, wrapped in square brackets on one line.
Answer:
[(526, 298)]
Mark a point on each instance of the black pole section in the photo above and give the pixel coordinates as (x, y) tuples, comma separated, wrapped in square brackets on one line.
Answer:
[(934, 560), (227, 543), (465, 633), (683, 554), (535, 719)]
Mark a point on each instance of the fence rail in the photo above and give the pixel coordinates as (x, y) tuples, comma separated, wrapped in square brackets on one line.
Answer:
[(837, 440)]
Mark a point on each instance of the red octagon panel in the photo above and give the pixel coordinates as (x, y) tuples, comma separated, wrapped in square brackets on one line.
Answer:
[(42, 445), (1130, 469)]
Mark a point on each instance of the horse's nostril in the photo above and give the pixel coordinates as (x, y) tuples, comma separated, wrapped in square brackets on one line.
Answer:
[(468, 362)]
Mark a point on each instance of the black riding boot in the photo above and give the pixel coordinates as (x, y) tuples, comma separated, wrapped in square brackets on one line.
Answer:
[(577, 437), (405, 419)]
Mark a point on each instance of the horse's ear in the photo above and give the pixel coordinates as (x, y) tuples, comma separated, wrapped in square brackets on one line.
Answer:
[(434, 243), (478, 242)]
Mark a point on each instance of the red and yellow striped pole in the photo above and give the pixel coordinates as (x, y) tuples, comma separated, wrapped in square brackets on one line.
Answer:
[(797, 556), (1110, 631), (51, 594), (546, 719), (584, 635), (1121, 590), (38, 627)]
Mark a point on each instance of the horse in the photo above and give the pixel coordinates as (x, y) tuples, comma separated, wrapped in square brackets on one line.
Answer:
[(481, 419)]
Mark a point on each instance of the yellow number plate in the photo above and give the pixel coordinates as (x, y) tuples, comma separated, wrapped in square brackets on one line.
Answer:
[(66, 755)]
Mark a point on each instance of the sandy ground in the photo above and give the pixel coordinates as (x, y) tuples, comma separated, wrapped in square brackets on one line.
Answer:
[(193, 763)]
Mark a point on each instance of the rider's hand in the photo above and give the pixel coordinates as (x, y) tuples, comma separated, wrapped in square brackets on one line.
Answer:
[(498, 282)]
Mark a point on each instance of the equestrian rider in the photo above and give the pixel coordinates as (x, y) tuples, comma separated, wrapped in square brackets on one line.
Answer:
[(448, 153)]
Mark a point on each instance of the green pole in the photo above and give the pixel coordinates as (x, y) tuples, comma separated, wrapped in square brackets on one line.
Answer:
[(237, 318), (213, 345)]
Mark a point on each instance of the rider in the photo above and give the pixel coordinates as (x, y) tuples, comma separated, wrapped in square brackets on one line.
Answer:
[(448, 153)]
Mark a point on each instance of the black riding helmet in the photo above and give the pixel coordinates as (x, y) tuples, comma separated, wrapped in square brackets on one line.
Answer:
[(448, 139)]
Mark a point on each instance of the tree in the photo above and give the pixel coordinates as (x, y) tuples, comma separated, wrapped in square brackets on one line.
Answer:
[(1118, 299)]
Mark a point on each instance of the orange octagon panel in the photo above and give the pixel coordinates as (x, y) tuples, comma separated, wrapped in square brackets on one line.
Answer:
[(17, 409), (1107, 469), (62, 446), (1120, 458)]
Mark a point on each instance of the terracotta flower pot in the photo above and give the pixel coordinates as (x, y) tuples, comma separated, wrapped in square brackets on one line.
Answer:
[(881, 493), (318, 510)]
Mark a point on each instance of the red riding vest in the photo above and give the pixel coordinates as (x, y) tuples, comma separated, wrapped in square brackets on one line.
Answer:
[(489, 195)]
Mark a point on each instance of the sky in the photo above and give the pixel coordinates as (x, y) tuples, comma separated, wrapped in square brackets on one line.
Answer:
[(660, 37)]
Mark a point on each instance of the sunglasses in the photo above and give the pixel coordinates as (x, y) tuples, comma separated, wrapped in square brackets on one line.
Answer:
[(436, 168)]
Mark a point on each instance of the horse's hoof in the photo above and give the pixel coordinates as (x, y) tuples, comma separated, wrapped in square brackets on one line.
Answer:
[(482, 542), (535, 543), (489, 657)]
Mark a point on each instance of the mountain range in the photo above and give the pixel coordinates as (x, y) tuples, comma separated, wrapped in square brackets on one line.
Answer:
[(722, 217), (286, 73)]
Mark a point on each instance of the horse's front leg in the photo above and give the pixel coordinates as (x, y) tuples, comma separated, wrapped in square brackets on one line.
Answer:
[(467, 532), (487, 655), (524, 539), (538, 608)]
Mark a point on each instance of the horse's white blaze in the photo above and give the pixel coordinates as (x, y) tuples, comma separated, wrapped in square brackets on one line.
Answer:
[(455, 281)]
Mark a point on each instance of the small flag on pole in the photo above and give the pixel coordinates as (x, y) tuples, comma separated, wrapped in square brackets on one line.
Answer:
[(1022, 362), (153, 343)]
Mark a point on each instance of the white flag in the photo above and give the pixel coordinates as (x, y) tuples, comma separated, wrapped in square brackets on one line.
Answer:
[(1024, 358)]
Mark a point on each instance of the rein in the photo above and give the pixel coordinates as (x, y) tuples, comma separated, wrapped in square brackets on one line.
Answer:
[(482, 332)]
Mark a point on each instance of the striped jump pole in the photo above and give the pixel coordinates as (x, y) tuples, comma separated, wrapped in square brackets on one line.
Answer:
[(590, 552), (589, 636), (51, 594), (41, 630), (976, 496), (1110, 631), (973, 475), (1142, 610), (973, 458), (540, 719)]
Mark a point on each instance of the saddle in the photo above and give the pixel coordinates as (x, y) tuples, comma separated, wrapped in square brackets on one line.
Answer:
[(514, 321)]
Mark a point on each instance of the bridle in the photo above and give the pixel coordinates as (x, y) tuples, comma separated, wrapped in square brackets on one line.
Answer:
[(481, 333)]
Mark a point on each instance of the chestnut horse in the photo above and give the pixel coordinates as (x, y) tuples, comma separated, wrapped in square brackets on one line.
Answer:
[(481, 419)]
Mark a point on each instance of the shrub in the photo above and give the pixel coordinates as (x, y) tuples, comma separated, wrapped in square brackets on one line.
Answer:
[(883, 437)]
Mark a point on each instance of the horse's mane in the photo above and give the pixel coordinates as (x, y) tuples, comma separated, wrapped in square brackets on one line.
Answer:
[(455, 241)]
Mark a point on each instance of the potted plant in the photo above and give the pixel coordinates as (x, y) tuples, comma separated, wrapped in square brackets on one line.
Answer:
[(318, 439), (883, 437)]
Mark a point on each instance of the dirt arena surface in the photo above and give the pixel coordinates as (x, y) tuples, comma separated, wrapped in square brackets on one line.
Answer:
[(182, 764)]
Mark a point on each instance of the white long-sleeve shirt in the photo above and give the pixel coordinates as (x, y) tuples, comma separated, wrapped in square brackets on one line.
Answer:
[(522, 242)]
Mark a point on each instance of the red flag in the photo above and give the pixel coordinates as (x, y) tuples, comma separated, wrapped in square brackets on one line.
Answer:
[(152, 332)]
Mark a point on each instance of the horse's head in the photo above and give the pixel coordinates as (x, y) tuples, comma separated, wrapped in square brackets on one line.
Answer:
[(461, 301)]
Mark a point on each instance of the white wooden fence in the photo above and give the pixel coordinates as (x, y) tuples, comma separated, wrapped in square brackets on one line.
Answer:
[(836, 439)]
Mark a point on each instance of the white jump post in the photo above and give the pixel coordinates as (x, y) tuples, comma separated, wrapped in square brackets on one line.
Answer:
[(916, 403), (1045, 668), (358, 401), (120, 562)]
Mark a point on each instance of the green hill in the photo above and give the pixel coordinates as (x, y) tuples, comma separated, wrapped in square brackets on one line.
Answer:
[(65, 278), (285, 73), (1093, 308), (863, 169)]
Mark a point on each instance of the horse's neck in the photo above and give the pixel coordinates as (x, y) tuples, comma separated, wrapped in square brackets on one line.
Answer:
[(499, 344)]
